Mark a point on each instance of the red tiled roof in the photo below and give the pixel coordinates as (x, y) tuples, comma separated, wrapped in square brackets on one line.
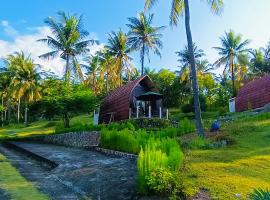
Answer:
[(118, 100), (254, 94)]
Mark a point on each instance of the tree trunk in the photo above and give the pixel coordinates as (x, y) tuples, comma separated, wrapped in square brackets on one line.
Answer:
[(67, 70), (26, 115), (198, 117), (18, 110), (233, 78), (2, 112), (142, 59), (107, 82), (66, 120)]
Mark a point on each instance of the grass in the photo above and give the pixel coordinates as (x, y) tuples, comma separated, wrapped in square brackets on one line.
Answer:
[(236, 169), (17, 187), (38, 128)]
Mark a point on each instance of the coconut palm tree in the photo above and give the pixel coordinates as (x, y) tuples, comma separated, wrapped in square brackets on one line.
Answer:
[(143, 36), (69, 40), (178, 8), (4, 91), (118, 48), (184, 57), (93, 70), (231, 51), (24, 83)]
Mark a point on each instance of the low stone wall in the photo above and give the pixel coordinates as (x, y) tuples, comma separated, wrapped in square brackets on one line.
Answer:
[(76, 139), (116, 153)]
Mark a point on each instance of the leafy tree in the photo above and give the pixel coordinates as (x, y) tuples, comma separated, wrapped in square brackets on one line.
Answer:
[(231, 51), (144, 36), (118, 48), (67, 100), (178, 8), (69, 40)]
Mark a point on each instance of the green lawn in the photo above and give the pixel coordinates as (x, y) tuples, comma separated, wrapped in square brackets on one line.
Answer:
[(38, 128), (237, 169), (17, 187), (223, 172)]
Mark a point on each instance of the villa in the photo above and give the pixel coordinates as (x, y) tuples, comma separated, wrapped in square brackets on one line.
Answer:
[(137, 99), (254, 94)]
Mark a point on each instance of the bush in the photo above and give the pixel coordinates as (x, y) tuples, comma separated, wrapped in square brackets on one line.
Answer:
[(158, 153), (186, 126), (198, 143), (187, 108), (260, 194), (76, 128), (119, 140), (164, 182)]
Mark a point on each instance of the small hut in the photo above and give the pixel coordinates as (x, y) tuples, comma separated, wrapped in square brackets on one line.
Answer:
[(136, 99), (254, 94)]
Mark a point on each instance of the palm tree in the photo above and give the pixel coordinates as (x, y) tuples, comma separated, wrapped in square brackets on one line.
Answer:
[(93, 70), (4, 91), (68, 41), (118, 48), (184, 57), (231, 51), (24, 83), (178, 8), (144, 37), (184, 60)]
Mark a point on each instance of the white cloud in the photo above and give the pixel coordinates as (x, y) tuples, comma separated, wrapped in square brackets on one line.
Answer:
[(28, 44), (8, 29)]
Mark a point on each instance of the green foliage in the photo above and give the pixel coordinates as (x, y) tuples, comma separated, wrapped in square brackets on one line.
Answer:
[(77, 127), (198, 143), (190, 106), (149, 123), (158, 153), (123, 140), (260, 194), (164, 182), (186, 126), (66, 100)]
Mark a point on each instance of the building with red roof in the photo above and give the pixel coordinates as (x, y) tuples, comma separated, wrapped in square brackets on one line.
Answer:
[(254, 94), (138, 98)]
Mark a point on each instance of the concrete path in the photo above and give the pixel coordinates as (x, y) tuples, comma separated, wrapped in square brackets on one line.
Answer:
[(81, 174)]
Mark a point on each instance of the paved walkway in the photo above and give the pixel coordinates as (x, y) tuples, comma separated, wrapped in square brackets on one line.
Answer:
[(80, 173)]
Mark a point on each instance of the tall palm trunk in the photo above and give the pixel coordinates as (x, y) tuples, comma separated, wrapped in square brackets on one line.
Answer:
[(2, 112), (142, 59), (107, 82), (198, 117), (67, 70), (18, 110), (26, 114), (233, 78)]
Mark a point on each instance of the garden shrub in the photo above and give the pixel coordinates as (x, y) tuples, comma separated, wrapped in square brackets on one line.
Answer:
[(185, 126), (123, 140), (198, 143), (164, 182), (158, 153)]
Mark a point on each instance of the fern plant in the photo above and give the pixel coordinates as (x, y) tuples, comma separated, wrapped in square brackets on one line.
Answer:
[(260, 194)]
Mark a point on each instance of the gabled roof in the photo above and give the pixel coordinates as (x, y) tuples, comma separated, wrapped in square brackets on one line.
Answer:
[(254, 94), (118, 100)]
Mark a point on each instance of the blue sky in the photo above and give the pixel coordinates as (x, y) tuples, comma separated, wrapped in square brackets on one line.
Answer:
[(21, 23)]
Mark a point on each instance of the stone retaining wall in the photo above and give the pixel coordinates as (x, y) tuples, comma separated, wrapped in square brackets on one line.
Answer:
[(88, 140), (116, 153), (76, 139)]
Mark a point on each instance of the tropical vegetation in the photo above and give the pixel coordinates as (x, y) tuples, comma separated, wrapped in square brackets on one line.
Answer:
[(179, 158)]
